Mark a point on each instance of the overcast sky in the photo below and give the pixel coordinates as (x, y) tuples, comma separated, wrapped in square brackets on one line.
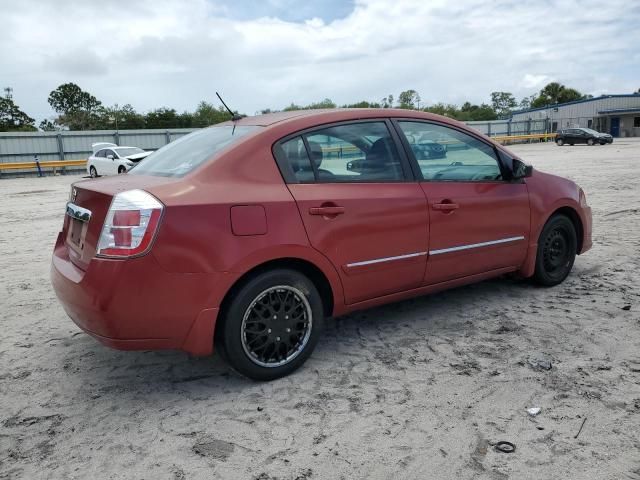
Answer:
[(260, 54)]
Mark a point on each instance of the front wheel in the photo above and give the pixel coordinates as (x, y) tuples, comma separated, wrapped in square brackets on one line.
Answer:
[(271, 325), (93, 172), (121, 170), (557, 249)]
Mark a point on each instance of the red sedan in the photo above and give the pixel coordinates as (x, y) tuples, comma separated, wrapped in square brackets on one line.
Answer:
[(249, 234)]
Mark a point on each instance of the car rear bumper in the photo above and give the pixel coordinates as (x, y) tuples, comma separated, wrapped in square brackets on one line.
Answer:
[(135, 304)]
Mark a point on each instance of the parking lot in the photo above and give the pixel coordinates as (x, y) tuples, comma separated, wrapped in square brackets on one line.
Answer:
[(418, 389)]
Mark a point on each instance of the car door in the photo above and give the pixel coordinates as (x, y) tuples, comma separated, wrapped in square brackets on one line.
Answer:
[(111, 164), (359, 205), (479, 222)]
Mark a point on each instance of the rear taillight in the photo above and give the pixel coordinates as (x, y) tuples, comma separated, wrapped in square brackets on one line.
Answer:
[(130, 225)]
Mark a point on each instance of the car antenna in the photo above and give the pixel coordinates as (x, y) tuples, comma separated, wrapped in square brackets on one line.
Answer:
[(234, 116)]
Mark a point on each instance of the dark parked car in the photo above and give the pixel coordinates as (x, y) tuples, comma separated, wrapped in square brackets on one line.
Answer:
[(582, 135)]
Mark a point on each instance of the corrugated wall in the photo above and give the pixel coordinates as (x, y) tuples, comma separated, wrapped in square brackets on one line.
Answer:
[(24, 146)]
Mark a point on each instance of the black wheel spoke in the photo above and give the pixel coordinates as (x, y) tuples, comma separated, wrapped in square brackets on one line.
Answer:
[(276, 326)]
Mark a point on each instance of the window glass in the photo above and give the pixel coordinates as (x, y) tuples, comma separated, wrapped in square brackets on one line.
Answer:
[(183, 155), (101, 153), (446, 154), (358, 152), (297, 160), (110, 152), (636, 122)]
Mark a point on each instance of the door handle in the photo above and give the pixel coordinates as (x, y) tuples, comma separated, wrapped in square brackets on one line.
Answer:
[(326, 211), (445, 206)]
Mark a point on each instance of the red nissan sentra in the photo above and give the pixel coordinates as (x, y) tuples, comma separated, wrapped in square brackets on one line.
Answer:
[(247, 235)]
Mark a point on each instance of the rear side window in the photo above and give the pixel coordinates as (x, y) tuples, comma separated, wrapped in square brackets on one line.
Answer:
[(101, 153), (297, 160), (447, 154), (356, 152), (182, 156)]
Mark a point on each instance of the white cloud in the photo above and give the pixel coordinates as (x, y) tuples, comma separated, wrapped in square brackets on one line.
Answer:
[(534, 81), (153, 53)]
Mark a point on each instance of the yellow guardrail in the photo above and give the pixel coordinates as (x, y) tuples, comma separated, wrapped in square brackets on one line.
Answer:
[(49, 164), (532, 136)]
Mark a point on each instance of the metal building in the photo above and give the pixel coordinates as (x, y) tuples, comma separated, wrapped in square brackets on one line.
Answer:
[(618, 115)]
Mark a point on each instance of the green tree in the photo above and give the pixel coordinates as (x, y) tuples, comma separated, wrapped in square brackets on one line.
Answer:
[(409, 99), (162, 118), (554, 93), (292, 106), (47, 125), (503, 103), (326, 103), (363, 104), (387, 102), (469, 112), (77, 109), (12, 119), (207, 114), (120, 118)]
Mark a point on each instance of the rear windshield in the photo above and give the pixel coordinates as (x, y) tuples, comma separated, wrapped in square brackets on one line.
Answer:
[(185, 154)]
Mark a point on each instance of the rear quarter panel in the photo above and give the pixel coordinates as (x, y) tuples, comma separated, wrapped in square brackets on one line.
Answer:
[(196, 234)]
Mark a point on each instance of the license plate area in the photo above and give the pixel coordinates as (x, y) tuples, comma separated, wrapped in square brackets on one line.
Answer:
[(75, 237), (77, 228)]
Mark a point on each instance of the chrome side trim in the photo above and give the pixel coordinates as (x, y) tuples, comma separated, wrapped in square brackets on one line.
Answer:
[(475, 245), (385, 259), (79, 213)]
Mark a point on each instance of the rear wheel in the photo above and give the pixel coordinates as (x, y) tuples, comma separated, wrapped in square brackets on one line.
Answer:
[(590, 142), (557, 249), (560, 142), (93, 172), (271, 325)]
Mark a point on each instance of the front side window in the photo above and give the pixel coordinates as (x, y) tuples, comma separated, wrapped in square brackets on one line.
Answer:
[(447, 154), (183, 155)]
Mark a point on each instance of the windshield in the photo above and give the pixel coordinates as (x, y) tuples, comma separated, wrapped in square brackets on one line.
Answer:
[(181, 156), (589, 130), (126, 151)]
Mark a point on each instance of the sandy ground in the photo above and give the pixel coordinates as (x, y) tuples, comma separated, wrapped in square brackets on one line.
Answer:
[(418, 389)]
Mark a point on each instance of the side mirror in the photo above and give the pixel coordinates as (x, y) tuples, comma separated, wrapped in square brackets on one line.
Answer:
[(520, 169), (110, 157)]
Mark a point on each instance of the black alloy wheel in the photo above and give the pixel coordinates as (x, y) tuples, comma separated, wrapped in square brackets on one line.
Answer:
[(271, 324)]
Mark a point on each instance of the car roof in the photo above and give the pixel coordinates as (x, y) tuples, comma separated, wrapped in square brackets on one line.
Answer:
[(335, 115)]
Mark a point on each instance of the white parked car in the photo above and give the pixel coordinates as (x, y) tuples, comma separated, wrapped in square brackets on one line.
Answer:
[(110, 159)]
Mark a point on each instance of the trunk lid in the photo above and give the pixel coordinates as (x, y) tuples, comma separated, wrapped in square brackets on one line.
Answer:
[(88, 205)]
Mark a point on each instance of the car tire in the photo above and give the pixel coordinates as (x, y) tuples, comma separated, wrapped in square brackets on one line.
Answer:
[(557, 249), (591, 142), (121, 170), (571, 144), (560, 142), (257, 320), (93, 172)]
